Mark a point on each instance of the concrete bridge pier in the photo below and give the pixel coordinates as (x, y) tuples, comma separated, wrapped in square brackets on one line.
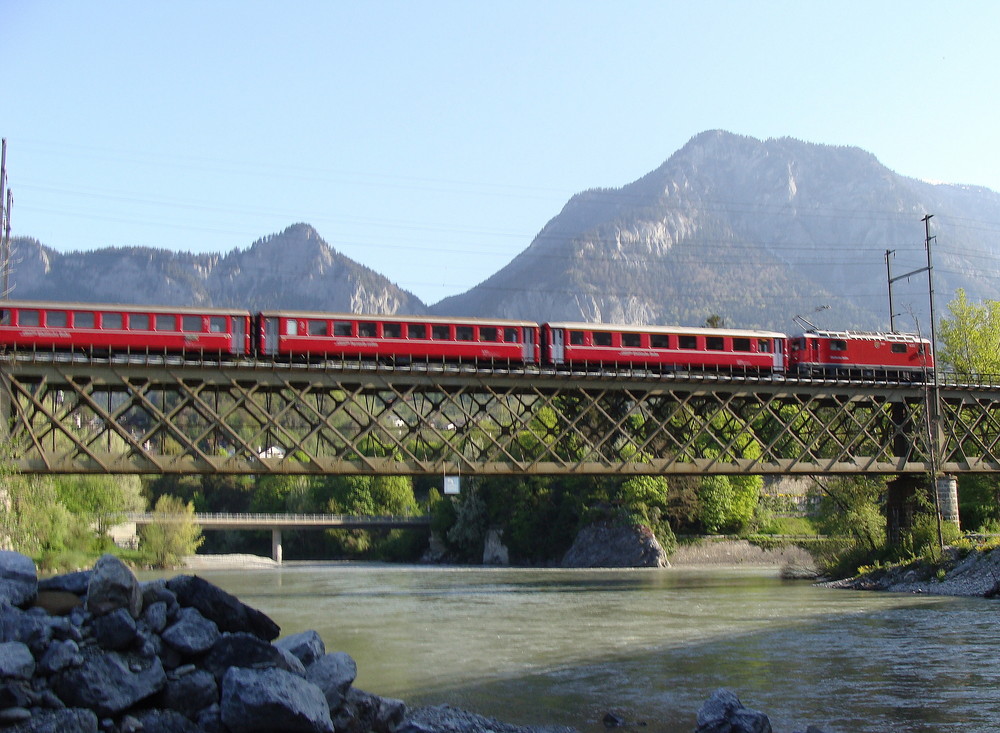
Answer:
[(901, 502), (276, 545)]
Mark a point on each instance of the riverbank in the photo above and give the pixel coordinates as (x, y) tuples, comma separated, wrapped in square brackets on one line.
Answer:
[(971, 574)]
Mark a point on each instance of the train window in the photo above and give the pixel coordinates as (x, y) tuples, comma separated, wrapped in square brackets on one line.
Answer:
[(138, 322), (715, 343), (763, 346), (632, 340), (166, 323), (510, 335), (659, 341), (291, 327), (489, 333), (28, 318), (602, 339), (417, 330), (4, 317), (342, 328), (920, 349), (366, 329), (576, 338), (687, 342), (56, 319), (316, 328), (191, 323), (84, 319), (741, 344), (838, 345), (217, 324), (392, 330), (899, 348), (112, 320), (441, 333), (463, 333)]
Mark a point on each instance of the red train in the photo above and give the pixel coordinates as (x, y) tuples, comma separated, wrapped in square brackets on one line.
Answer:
[(102, 328)]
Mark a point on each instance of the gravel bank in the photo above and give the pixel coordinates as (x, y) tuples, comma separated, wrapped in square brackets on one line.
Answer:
[(973, 574)]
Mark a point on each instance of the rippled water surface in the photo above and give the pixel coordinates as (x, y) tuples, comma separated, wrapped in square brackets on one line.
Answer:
[(566, 646)]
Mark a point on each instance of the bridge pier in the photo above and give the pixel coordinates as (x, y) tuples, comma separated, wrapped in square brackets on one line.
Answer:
[(901, 500), (276, 545), (947, 493)]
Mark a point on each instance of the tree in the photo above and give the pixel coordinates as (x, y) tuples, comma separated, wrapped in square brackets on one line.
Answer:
[(172, 534), (969, 340), (102, 500)]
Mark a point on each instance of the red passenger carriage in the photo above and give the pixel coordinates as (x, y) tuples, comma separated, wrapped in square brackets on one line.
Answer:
[(664, 347), (397, 338), (93, 327)]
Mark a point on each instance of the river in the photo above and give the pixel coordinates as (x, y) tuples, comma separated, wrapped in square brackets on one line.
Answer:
[(566, 646)]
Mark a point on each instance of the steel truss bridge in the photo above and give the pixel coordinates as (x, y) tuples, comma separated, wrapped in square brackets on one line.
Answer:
[(137, 414)]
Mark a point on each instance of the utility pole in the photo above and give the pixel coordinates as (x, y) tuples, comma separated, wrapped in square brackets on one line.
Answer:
[(888, 274), (934, 406), (5, 211)]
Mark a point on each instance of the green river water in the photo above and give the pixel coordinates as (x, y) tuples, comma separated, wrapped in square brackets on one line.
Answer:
[(566, 646)]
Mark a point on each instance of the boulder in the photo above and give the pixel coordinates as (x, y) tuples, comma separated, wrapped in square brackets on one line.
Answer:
[(494, 550), (265, 700), (244, 650), (18, 579), (70, 720), (164, 721), (615, 545), (191, 633), (113, 586), (333, 674), (16, 661), (307, 646), (115, 630), (59, 656), (110, 683), (724, 713), (191, 693), (228, 613)]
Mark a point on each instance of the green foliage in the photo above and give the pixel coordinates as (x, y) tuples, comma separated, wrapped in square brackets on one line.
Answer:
[(968, 338), (979, 501), (101, 500), (853, 507), (727, 503), (172, 535)]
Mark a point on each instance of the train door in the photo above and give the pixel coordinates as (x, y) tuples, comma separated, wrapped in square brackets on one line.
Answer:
[(529, 351), (270, 329), (779, 355), (238, 345), (557, 345)]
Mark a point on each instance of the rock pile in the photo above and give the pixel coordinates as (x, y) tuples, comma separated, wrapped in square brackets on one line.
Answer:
[(98, 650), (615, 545), (724, 713)]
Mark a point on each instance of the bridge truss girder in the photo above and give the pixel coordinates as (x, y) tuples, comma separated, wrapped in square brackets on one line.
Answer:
[(102, 417)]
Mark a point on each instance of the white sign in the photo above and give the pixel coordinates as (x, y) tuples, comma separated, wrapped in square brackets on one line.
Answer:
[(452, 485)]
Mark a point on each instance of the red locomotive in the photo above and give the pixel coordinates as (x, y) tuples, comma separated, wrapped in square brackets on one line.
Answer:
[(200, 332)]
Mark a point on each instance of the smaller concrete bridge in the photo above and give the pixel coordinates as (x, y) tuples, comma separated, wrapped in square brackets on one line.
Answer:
[(278, 522)]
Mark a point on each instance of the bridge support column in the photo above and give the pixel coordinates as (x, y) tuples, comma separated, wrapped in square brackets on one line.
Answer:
[(276, 545), (947, 493)]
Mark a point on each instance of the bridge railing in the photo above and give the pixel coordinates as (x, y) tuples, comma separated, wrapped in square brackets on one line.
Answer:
[(264, 518)]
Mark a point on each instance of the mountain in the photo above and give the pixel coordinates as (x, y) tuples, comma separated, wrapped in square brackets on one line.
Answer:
[(295, 269), (752, 231), (755, 232)]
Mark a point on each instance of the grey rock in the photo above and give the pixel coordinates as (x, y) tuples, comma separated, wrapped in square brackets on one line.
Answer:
[(110, 683), (307, 646), (59, 656), (156, 591), (75, 583), (155, 615), (115, 630), (333, 674), (613, 545), (724, 713), (69, 720), (165, 721), (16, 661), (191, 633), (362, 712), (243, 650), (18, 579), (227, 611), (191, 693), (112, 586), (263, 700)]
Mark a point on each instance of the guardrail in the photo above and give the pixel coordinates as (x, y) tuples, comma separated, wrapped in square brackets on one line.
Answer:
[(283, 521)]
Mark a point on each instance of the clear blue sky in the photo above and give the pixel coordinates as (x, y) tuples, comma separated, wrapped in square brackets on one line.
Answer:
[(432, 140)]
